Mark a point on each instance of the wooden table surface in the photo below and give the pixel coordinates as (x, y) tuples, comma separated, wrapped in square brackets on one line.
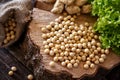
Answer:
[(15, 56), (7, 60), (40, 18)]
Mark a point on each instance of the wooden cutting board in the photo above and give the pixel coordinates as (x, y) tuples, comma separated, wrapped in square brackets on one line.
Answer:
[(41, 18)]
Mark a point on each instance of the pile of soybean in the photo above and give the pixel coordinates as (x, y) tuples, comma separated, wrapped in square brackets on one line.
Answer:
[(70, 44)]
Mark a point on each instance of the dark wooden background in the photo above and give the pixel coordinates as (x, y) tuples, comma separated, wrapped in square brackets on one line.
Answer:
[(15, 55)]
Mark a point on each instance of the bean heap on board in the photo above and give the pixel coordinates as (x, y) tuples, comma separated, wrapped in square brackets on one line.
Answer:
[(71, 44)]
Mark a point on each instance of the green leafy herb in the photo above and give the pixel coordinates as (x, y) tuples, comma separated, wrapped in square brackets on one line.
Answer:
[(108, 23)]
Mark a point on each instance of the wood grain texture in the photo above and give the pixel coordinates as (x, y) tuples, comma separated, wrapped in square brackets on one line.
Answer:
[(42, 18), (7, 60), (44, 6)]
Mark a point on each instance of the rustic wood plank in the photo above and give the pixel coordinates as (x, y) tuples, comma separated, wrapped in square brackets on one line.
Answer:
[(44, 6), (42, 18), (6, 62)]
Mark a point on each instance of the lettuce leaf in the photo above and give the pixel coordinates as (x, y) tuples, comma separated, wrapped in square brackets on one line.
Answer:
[(108, 23)]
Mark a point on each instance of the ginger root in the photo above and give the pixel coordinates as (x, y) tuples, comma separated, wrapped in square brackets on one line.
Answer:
[(67, 2), (80, 2), (58, 7), (72, 9), (86, 8), (71, 6)]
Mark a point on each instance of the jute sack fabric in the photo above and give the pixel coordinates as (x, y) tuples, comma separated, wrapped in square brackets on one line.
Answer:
[(22, 10)]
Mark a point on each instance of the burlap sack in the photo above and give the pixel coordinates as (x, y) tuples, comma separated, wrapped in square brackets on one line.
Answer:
[(22, 10)]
